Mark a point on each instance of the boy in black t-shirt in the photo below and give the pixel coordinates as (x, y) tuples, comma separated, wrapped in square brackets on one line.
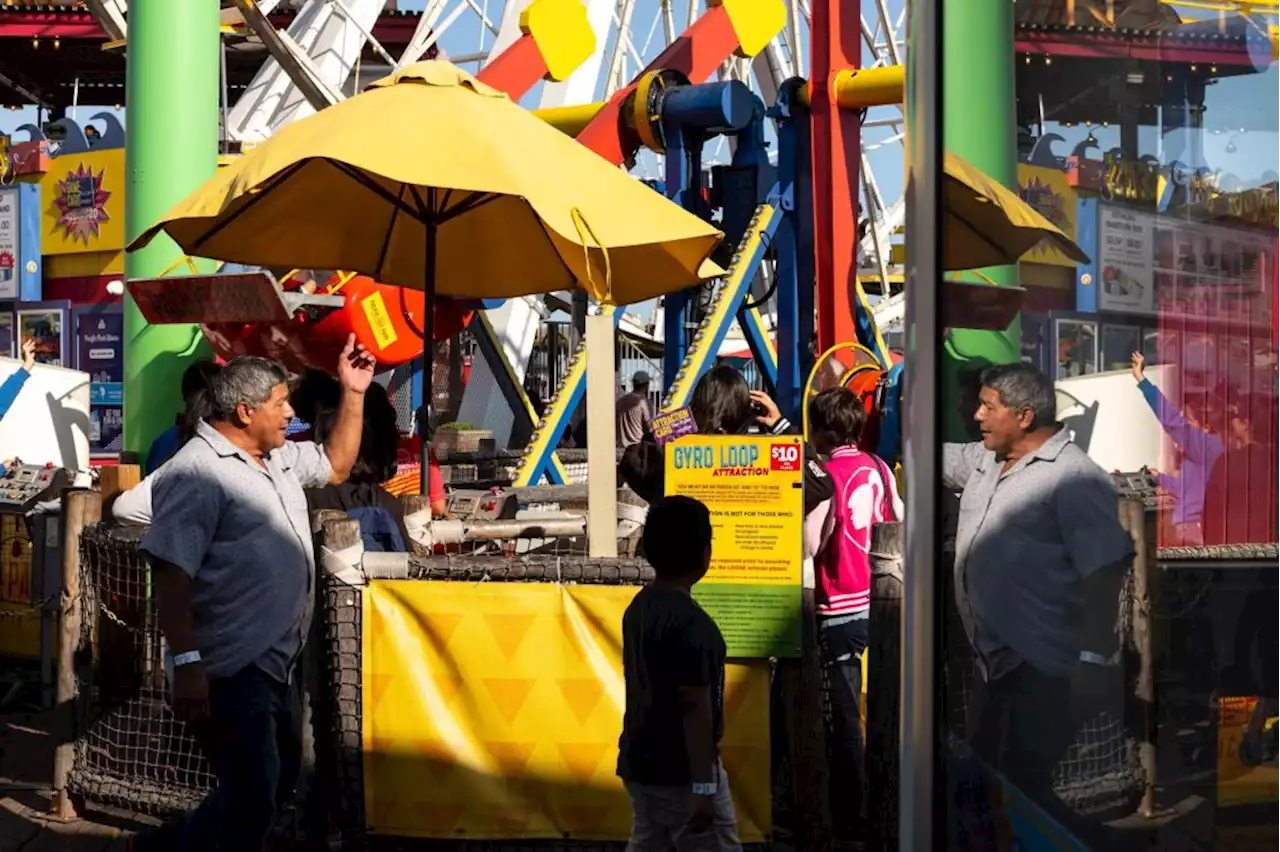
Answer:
[(673, 661)]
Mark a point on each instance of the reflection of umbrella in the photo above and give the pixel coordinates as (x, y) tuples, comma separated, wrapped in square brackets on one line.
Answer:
[(433, 180), (989, 225)]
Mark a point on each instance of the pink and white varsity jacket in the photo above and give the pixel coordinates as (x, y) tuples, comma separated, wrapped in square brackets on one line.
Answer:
[(839, 531)]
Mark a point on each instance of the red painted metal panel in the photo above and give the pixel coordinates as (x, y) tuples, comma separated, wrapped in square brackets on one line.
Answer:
[(836, 148), (1225, 379), (516, 69)]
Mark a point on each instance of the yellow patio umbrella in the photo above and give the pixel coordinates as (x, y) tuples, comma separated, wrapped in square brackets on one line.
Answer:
[(432, 180), (986, 224)]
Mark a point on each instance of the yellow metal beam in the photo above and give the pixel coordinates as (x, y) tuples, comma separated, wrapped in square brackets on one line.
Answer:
[(570, 120), (868, 87), (856, 88)]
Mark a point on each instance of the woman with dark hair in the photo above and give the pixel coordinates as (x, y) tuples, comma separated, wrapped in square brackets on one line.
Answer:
[(381, 515), (195, 407), (722, 403)]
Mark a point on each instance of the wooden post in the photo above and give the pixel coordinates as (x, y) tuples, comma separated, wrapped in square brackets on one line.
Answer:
[(883, 688), (80, 508), (114, 480), (420, 505), (602, 459), (341, 533), (1134, 517)]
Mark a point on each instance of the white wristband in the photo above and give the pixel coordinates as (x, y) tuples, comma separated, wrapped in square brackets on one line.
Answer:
[(1094, 659), (186, 658)]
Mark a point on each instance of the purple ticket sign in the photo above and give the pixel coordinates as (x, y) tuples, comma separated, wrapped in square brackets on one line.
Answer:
[(673, 424)]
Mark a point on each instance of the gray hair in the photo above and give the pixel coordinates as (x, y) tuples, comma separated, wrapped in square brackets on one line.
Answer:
[(1021, 386), (247, 379)]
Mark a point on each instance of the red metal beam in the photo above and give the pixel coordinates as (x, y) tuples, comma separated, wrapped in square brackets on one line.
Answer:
[(1115, 46), (32, 23), (516, 69), (836, 151), (696, 54)]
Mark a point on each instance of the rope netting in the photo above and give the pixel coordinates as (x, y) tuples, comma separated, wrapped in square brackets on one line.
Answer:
[(131, 753)]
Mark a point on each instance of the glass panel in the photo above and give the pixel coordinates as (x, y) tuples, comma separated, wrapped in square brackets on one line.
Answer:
[(1119, 342), (1077, 348), (1105, 657)]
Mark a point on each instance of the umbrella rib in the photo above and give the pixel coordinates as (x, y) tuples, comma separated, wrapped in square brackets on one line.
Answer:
[(466, 205), (423, 212), (363, 179), (386, 241), (262, 193)]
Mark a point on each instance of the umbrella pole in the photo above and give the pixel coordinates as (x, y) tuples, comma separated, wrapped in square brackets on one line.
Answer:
[(428, 358)]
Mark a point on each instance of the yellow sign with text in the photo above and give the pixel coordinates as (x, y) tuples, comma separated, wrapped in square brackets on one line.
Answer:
[(82, 199), (493, 711), (753, 487)]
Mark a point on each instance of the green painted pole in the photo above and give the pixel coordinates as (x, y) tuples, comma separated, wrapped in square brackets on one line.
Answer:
[(172, 114), (979, 125)]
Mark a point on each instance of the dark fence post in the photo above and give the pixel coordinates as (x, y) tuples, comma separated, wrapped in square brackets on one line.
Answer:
[(340, 742), (1133, 516), (884, 667), (803, 705), (80, 508)]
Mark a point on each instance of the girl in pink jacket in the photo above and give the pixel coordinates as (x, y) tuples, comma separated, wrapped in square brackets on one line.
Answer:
[(839, 534)]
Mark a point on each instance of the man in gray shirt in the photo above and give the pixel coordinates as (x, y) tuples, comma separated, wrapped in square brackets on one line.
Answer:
[(634, 412), (230, 546), (1040, 555)]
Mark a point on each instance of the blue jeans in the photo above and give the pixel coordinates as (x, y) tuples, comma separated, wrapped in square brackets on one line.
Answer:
[(254, 741), (842, 642)]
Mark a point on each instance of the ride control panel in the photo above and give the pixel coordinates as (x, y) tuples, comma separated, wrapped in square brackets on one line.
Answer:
[(475, 505), (25, 485)]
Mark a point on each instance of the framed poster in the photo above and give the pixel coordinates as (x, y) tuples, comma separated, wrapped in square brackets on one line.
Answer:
[(100, 352), (46, 324)]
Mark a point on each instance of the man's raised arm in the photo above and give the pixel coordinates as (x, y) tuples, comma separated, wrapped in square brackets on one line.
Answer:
[(355, 372)]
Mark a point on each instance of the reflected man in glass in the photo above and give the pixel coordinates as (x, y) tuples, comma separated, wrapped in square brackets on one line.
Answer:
[(1040, 556)]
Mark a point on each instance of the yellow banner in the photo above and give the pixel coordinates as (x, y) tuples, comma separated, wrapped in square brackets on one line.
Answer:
[(1241, 782), (493, 711), (1047, 191)]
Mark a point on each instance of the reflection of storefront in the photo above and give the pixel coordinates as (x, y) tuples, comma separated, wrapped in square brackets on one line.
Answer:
[(62, 241), (1180, 291)]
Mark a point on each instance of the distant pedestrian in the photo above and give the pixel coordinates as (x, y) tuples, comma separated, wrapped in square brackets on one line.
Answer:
[(673, 662), (231, 551), (195, 407), (634, 411)]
